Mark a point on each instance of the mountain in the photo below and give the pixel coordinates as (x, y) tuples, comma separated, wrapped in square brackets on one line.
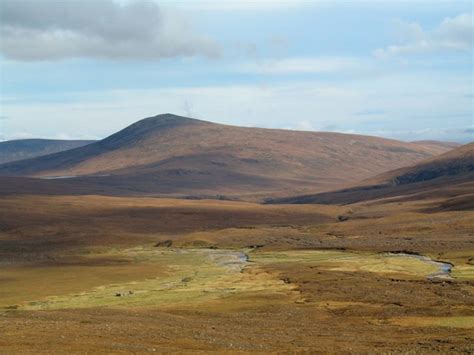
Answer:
[(30, 148), (448, 178), (179, 156)]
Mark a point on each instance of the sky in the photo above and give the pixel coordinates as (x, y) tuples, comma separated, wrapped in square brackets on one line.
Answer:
[(72, 69)]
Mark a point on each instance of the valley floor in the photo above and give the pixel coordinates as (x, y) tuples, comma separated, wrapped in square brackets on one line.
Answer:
[(90, 274)]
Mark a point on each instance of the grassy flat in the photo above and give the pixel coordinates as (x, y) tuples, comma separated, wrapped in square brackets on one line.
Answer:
[(147, 276), (163, 277), (466, 322), (463, 272), (351, 261)]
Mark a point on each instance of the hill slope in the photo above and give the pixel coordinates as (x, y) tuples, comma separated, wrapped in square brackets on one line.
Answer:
[(169, 154), (30, 148), (456, 162), (448, 178)]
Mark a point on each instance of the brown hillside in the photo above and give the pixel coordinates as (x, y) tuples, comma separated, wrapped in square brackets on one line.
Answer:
[(455, 162), (448, 178), (174, 155)]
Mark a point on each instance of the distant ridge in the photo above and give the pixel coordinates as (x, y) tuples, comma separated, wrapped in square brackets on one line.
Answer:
[(30, 148), (437, 146), (179, 156)]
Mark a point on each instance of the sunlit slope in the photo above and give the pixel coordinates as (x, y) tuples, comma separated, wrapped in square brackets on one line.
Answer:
[(173, 154)]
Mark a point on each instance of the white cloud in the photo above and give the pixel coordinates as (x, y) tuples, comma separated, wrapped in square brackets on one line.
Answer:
[(249, 105), (300, 65), (68, 136), (19, 135), (51, 30), (452, 34), (304, 125), (459, 29), (405, 103)]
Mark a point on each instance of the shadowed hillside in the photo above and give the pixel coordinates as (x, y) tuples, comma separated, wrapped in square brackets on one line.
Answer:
[(448, 177), (179, 156), (30, 148), (456, 162)]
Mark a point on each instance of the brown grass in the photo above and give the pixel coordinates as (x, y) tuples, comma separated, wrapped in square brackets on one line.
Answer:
[(55, 247)]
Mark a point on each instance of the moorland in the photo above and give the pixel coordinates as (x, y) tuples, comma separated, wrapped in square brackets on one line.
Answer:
[(182, 235)]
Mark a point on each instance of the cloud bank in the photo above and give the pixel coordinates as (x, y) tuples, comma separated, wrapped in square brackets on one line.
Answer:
[(397, 106), (54, 29), (452, 34)]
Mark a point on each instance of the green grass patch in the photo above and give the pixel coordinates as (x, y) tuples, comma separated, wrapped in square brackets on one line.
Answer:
[(191, 276), (350, 261)]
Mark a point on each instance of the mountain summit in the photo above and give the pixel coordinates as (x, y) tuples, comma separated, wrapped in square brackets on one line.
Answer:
[(179, 155)]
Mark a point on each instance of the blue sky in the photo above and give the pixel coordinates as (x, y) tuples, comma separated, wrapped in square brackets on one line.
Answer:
[(85, 69)]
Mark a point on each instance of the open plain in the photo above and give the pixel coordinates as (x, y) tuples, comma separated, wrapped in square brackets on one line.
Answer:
[(89, 273)]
